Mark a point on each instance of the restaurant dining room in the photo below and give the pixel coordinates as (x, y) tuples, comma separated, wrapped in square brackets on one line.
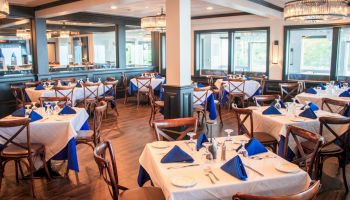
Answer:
[(175, 99)]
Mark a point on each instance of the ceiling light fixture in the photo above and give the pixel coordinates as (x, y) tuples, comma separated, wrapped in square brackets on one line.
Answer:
[(154, 23), (210, 8), (4, 8), (315, 10), (114, 7), (23, 33)]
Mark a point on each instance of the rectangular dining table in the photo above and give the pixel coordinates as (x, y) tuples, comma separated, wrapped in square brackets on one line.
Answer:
[(53, 131), (271, 182)]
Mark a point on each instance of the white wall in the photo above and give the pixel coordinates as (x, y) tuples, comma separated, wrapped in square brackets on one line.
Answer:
[(249, 21)]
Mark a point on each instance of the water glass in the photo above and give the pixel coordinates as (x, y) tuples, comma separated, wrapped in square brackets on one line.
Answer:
[(228, 132)]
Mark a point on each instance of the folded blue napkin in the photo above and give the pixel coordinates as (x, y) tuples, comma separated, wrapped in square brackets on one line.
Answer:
[(312, 106), (283, 105), (344, 94), (271, 110), (225, 79), (176, 154), (308, 113), (200, 140), (200, 85), (347, 111), (39, 87), (322, 86), (247, 78), (67, 110), (254, 147), (19, 113), (158, 76), (78, 85), (235, 167), (34, 116), (311, 91)]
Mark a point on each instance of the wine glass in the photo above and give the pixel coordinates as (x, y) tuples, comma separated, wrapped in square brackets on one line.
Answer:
[(207, 156), (34, 106), (191, 142), (307, 105), (28, 109), (48, 109), (278, 104), (56, 108), (228, 132), (242, 150)]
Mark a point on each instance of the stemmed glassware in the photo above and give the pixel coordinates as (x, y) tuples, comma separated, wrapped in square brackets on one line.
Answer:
[(207, 156), (56, 108), (48, 109), (278, 104), (242, 150), (28, 109), (34, 106), (191, 142), (228, 132)]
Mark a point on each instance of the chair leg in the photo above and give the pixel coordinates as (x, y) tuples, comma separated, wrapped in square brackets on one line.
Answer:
[(220, 115), (150, 119), (126, 97), (45, 165), (31, 166), (343, 165), (20, 168), (115, 107), (138, 99), (2, 167), (16, 169)]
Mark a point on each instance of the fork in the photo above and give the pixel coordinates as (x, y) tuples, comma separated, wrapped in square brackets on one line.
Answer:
[(209, 170), (211, 180)]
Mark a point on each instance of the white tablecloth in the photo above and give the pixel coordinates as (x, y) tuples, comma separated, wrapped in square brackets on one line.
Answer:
[(317, 99), (53, 131), (155, 82), (273, 182), (250, 87), (78, 93), (276, 125), (199, 94)]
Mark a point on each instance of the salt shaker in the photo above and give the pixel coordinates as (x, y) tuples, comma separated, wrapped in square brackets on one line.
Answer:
[(223, 151)]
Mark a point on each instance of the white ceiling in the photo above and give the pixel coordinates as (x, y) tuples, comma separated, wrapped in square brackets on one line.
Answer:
[(30, 3)]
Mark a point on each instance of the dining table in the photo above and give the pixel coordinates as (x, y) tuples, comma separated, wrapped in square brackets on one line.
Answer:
[(56, 132), (210, 101), (251, 88), (182, 181), (156, 84)]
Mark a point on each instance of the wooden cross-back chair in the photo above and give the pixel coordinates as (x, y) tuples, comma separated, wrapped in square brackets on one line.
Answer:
[(289, 90), (305, 158), (65, 91), (61, 101), (155, 105), (110, 92), (309, 194), (124, 80), (218, 102), (164, 129), (16, 151), (264, 100), (142, 84), (236, 88), (334, 106), (18, 93), (262, 81), (93, 137), (66, 80), (244, 114), (105, 159), (91, 95), (200, 96)]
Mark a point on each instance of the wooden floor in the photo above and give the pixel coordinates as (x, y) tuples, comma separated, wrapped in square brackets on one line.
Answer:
[(129, 134)]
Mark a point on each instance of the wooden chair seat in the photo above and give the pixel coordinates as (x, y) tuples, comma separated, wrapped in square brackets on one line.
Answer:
[(264, 138), (331, 148), (198, 108), (159, 103), (84, 134), (108, 98), (145, 193), (12, 149)]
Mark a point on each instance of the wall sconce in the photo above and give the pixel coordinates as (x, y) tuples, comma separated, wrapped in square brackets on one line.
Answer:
[(275, 52)]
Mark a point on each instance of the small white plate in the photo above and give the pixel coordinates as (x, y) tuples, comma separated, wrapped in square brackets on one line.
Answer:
[(287, 167), (184, 181), (160, 144)]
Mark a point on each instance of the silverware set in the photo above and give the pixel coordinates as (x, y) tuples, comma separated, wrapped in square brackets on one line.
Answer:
[(208, 172), (183, 166)]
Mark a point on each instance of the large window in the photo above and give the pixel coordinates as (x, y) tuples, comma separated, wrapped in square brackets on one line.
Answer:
[(213, 53), (138, 48), (250, 51), (235, 51), (343, 70), (309, 53)]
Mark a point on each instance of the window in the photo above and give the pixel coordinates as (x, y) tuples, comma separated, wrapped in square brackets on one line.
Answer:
[(213, 53), (105, 49), (343, 69), (250, 51), (138, 48), (309, 54), (163, 53)]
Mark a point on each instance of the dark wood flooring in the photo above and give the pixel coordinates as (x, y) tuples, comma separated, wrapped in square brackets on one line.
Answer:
[(129, 133)]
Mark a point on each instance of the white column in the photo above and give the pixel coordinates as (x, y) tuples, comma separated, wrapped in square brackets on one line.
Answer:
[(178, 42)]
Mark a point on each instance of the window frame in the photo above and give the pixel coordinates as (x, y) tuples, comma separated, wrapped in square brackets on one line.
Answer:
[(230, 32)]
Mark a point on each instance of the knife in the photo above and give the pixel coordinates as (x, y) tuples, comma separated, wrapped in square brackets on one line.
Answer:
[(254, 170), (183, 166)]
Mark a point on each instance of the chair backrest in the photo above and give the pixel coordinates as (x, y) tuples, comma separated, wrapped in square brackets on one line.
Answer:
[(264, 100), (262, 81), (302, 86), (210, 80), (164, 129), (23, 125), (18, 93), (65, 91), (124, 80), (91, 90), (236, 86), (242, 115), (143, 83), (67, 80), (200, 96), (151, 97), (308, 194), (105, 159), (110, 88), (100, 110), (31, 84), (341, 139), (110, 79), (304, 158), (334, 106), (62, 101), (289, 90)]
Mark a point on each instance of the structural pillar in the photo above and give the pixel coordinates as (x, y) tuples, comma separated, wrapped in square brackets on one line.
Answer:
[(178, 92), (120, 45), (39, 47)]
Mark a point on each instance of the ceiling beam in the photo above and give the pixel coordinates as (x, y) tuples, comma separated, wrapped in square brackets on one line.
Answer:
[(53, 4), (14, 23), (21, 12), (220, 15), (81, 29), (256, 7)]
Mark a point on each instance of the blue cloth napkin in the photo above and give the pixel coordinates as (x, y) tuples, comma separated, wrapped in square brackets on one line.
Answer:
[(311, 91), (235, 167), (271, 110), (225, 79), (176, 154), (312, 106), (39, 87), (158, 76), (322, 86), (347, 111), (200, 140), (344, 94), (283, 105), (200, 85), (19, 113), (67, 110), (34, 116), (254, 147), (308, 113), (247, 78), (78, 85)]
